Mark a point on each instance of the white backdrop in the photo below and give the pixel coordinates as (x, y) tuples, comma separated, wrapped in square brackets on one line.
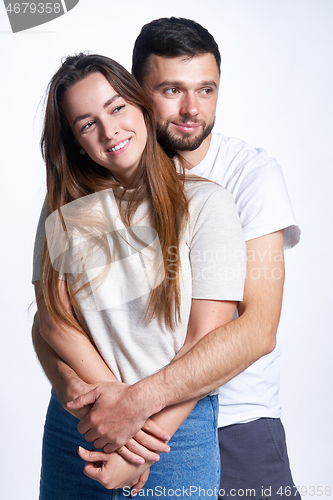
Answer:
[(276, 93)]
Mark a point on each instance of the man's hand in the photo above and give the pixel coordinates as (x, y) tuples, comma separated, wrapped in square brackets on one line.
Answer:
[(69, 386), (116, 416), (75, 388)]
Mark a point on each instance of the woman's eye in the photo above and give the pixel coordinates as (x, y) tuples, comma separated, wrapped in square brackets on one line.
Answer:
[(86, 126), (118, 108)]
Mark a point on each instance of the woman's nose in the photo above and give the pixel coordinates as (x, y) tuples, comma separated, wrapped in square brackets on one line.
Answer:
[(108, 130)]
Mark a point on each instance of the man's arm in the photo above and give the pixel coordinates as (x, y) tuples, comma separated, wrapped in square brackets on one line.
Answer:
[(230, 349), (114, 473), (214, 360)]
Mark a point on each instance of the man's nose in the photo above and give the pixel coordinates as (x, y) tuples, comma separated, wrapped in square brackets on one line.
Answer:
[(189, 105)]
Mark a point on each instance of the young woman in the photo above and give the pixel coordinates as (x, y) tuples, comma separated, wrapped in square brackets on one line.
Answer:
[(140, 261)]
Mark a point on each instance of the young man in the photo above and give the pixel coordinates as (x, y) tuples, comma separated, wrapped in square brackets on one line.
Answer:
[(178, 64)]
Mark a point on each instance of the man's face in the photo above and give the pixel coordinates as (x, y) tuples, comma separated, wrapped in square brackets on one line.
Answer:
[(184, 94)]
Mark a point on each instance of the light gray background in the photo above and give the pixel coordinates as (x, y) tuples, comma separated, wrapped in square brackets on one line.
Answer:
[(276, 93)]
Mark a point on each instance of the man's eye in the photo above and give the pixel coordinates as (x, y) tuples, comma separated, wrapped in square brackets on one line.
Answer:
[(171, 91), (206, 91)]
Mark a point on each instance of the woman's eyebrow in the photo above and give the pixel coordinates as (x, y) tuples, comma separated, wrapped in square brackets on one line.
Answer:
[(110, 101), (105, 105)]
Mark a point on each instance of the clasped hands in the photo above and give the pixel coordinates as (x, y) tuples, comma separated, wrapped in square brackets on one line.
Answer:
[(118, 422)]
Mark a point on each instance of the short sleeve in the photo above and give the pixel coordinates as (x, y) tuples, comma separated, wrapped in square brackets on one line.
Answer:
[(217, 247), (257, 184), (39, 241), (263, 202)]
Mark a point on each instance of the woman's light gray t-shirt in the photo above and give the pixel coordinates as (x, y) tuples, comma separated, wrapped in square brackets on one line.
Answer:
[(213, 262)]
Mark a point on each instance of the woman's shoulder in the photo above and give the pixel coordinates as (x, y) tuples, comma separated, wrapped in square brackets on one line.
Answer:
[(210, 206), (199, 191)]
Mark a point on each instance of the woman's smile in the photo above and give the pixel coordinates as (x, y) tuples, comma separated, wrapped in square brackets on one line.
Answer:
[(109, 129), (119, 147)]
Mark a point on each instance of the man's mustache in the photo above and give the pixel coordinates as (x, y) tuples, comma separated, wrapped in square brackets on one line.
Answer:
[(184, 120)]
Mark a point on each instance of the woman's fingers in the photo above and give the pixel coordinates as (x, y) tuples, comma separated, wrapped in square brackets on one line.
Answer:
[(140, 484), (142, 446), (135, 453), (150, 442), (124, 452), (154, 429), (94, 457), (95, 467), (111, 470)]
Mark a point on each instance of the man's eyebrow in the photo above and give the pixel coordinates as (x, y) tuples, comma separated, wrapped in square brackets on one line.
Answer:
[(105, 105), (179, 83)]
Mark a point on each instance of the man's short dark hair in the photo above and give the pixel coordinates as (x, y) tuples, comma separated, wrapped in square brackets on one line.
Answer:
[(171, 37)]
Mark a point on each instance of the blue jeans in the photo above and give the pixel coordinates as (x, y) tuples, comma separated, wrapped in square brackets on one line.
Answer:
[(190, 470)]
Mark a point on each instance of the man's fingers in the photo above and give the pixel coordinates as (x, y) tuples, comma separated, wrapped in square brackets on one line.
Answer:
[(92, 435), (111, 447), (85, 399), (152, 428), (93, 430), (150, 442), (100, 442), (140, 484), (81, 413)]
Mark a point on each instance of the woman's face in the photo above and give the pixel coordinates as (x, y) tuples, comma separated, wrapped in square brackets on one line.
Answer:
[(111, 131)]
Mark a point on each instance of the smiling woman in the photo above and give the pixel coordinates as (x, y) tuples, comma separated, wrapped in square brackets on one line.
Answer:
[(118, 294), (110, 130)]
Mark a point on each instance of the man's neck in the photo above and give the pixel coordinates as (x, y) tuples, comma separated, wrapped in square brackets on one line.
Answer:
[(195, 157)]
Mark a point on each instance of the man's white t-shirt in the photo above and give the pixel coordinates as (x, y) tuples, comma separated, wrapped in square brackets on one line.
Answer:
[(258, 187)]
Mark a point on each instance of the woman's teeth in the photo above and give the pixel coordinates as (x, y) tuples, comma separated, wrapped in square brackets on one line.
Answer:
[(119, 146)]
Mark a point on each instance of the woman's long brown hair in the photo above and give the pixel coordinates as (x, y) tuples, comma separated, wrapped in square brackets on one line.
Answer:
[(71, 175)]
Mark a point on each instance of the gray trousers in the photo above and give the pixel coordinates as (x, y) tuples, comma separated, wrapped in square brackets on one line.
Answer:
[(254, 462)]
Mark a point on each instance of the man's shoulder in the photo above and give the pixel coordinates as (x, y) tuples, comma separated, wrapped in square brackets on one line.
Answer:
[(228, 157), (237, 151)]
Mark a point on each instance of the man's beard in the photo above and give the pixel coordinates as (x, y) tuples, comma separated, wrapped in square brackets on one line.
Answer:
[(186, 143)]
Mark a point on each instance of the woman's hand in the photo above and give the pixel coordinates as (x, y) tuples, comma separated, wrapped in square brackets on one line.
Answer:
[(141, 481), (144, 445), (112, 470)]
